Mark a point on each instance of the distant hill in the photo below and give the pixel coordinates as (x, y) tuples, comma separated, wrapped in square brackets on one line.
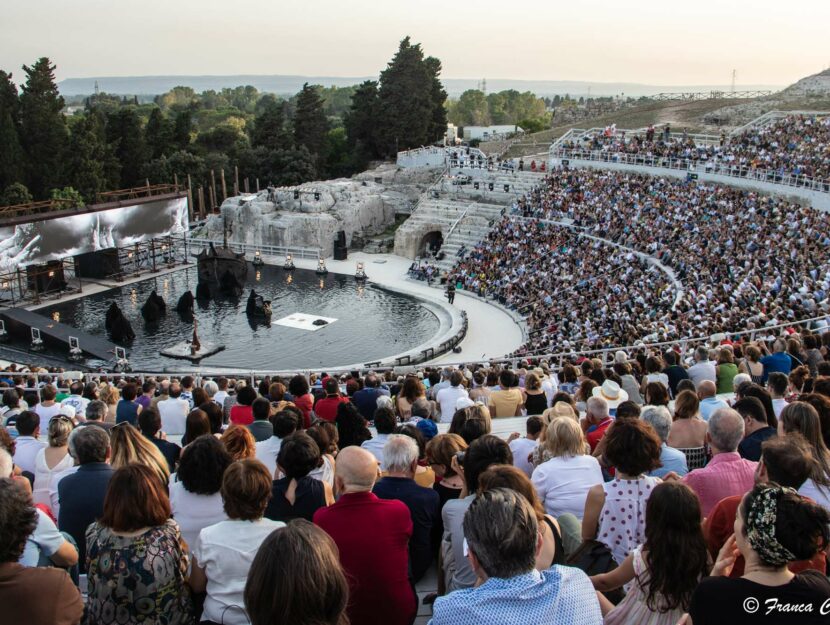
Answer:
[(289, 85)]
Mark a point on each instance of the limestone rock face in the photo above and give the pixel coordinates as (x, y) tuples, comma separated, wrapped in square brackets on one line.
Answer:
[(364, 205)]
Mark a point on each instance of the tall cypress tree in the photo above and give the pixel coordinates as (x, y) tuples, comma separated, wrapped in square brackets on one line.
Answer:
[(310, 124), (43, 128), (158, 134), (405, 100), (11, 152), (182, 127), (125, 135), (438, 121), (86, 164), (269, 127), (360, 122)]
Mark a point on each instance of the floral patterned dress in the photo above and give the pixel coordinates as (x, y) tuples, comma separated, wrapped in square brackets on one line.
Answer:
[(137, 579)]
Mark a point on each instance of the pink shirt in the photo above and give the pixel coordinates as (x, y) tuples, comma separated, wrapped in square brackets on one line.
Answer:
[(726, 475)]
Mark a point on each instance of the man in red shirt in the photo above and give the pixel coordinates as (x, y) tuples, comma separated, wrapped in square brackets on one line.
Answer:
[(597, 420), (785, 460), (372, 536), (326, 408)]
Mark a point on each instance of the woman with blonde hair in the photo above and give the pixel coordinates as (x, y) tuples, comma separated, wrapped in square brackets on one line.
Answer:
[(563, 481), (52, 459), (130, 446), (110, 395), (688, 431)]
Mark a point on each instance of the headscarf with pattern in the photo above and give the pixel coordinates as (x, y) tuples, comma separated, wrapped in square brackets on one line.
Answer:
[(761, 517)]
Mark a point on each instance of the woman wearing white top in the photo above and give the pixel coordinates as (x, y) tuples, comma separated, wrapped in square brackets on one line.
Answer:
[(223, 554), (325, 435), (53, 459), (654, 373), (194, 490), (563, 481)]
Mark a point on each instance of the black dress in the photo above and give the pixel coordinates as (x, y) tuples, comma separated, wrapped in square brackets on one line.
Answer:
[(309, 496), (536, 404)]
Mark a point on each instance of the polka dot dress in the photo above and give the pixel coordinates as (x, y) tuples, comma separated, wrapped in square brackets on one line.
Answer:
[(622, 521)]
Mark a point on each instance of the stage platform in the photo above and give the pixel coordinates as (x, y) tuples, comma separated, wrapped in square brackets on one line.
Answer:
[(20, 322), (182, 351)]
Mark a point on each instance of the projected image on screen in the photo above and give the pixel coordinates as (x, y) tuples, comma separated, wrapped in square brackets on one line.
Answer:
[(41, 241)]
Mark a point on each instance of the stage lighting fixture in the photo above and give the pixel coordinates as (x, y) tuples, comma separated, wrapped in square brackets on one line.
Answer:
[(490, 186), (296, 194), (316, 196)]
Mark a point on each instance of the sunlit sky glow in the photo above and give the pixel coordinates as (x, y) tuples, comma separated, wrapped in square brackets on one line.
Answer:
[(644, 41)]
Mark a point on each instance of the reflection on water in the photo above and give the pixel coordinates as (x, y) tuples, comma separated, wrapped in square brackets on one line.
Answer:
[(371, 324)]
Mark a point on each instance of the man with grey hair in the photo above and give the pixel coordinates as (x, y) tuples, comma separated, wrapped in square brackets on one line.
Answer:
[(597, 420), (96, 412), (400, 461), (673, 459), (703, 369), (502, 544), (727, 474), (372, 536)]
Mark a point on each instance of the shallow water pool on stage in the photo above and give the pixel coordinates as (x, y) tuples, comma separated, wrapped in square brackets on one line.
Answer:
[(371, 323)]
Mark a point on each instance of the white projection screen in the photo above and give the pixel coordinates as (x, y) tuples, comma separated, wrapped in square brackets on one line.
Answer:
[(38, 242)]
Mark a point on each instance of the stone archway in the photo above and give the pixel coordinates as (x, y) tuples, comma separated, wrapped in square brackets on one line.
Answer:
[(430, 243)]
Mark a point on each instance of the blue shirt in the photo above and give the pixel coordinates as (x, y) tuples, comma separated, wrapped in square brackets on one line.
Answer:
[(561, 594), (709, 405), (673, 460), (779, 361)]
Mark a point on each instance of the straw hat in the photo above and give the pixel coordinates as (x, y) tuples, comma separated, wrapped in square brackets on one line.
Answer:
[(611, 392)]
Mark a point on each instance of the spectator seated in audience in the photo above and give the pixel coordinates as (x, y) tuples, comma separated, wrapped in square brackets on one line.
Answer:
[(27, 443), (671, 459), (503, 541), (688, 430), (52, 459), (300, 562), (774, 526), (665, 569), (440, 453), (149, 422), (297, 495), (385, 424), (136, 564), (400, 461), (30, 595), (129, 446), (802, 418), (81, 495), (375, 560), (284, 423), (787, 461), (352, 428), (261, 427), (195, 497), (615, 510), (328, 408), (242, 412), (727, 473), (756, 430), (223, 554), (173, 411), (239, 442), (708, 401), (522, 446)]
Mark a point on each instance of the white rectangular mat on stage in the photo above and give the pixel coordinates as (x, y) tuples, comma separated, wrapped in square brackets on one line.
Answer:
[(302, 321)]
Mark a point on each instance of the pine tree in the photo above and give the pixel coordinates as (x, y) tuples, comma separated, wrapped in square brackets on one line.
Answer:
[(269, 127), (310, 124), (43, 128), (405, 96), (182, 127), (124, 134), (438, 121), (11, 152), (158, 134), (361, 123)]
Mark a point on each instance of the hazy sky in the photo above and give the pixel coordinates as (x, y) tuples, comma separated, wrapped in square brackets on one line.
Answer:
[(646, 41)]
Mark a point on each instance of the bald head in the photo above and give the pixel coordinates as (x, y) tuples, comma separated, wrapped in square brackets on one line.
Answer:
[(706, 389), (356, 470)]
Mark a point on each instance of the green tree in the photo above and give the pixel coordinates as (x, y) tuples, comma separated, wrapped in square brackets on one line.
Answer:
[(159, 134), (68, 197), (124, 134), (361, 123), (438, 125), (15, 193), (163, 170), (11, 152), (86, 164), (43, 132), (280, 167), (310, 124), (269, 127), (182, 129), (177, 97), (339, 159), (472, 109), (405, 95), (225, 138)]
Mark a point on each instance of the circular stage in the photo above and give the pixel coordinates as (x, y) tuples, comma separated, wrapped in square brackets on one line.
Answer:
[(364, 324)]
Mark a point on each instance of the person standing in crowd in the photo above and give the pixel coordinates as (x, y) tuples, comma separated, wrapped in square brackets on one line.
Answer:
[(400, 461), (502, 537), (30, 595), (301, 562), (664, 571), (774, 526), (727, 473), (223, 553), (81, 494), (297, 495), (136, 565), (376, 561), (194, 489)]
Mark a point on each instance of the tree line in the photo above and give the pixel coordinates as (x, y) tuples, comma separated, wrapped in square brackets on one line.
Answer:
[(113, 142)]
